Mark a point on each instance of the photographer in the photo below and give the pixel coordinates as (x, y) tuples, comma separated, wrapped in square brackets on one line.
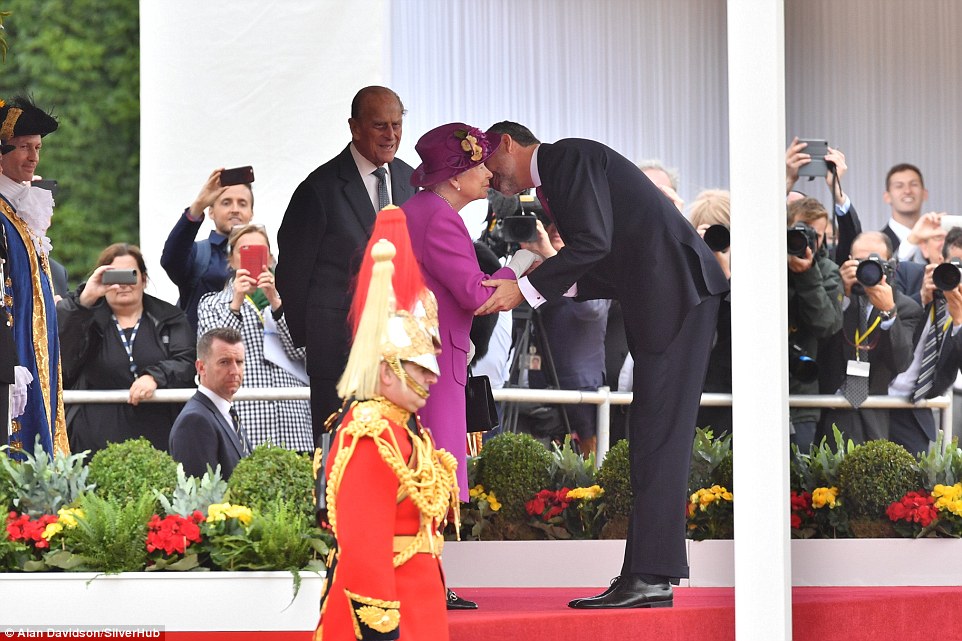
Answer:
[(814, 308), (938, 352), (876, 334)]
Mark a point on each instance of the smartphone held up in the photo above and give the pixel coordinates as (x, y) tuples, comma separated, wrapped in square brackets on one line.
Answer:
[(253, 258), (237, 176)]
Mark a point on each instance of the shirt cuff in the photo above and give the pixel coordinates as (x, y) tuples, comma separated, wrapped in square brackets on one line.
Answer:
[(534, 297), (842, 208)]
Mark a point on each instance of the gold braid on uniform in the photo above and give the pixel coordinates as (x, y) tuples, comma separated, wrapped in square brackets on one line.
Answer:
[(428, 479)]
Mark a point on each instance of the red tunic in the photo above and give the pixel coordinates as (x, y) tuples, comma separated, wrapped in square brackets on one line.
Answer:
[(366, 517)]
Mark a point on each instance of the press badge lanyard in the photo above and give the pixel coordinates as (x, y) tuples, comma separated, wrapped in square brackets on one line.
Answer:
[(128, 343), (860, 338)]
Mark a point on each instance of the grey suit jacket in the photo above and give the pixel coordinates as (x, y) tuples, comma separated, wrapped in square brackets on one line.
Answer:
[(201, 436)]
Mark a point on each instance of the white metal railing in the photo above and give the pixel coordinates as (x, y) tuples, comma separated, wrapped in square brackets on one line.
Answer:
[(604, 398)]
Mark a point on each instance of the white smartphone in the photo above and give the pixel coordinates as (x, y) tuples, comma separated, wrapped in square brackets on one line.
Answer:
[(950, 220)]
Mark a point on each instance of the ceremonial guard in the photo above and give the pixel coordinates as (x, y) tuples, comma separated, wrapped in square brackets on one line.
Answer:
[(389, 491), (28, 296)]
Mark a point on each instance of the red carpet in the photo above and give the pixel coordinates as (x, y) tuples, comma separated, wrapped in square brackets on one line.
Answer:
[(707, 614)]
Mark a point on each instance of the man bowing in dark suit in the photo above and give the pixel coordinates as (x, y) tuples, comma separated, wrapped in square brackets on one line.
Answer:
[(625, 240), (207, 431), (324, 232)]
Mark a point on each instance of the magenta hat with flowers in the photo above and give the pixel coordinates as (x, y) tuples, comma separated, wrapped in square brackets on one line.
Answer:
[(449, 150)]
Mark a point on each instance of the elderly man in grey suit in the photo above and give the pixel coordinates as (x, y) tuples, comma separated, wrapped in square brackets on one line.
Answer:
[(207, 431), (324, 232)]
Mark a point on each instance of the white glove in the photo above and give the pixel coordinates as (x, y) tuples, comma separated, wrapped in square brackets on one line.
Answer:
[(18, 398), (522, 261)]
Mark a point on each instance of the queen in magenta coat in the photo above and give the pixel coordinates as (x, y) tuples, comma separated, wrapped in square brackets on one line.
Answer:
[(452, 173)]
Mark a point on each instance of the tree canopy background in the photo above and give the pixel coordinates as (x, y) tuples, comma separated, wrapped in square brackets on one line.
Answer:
[(80, 60)]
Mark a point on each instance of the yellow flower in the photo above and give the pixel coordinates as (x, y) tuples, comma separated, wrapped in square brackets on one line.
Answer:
[(52, 530), (822, 496), (476, 491), (466, 144), (222, 511), (68, 516), (586, 493), (493, 503)]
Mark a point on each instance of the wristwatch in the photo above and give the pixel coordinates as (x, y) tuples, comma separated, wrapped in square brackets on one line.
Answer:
[(889, 315)]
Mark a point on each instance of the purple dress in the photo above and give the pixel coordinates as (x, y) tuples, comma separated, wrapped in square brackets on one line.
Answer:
[(445, 252)]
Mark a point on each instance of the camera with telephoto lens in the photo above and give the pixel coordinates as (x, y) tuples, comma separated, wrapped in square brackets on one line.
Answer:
[(870, 271), (947, 276), (800, 365), (718, 238), (801, 237), (522, 226)]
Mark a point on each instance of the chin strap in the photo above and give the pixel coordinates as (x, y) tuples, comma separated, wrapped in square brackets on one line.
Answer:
[(395, 364)]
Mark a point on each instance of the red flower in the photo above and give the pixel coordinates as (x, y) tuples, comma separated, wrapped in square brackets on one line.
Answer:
[(914, 507), (174, 533), (22, 528)]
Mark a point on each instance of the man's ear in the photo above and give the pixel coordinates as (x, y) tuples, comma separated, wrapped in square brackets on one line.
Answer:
[(886, 197)]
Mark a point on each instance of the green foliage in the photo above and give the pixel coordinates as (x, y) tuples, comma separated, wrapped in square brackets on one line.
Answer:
[(81, 61), (614, 477), (41, 486), (938, 468), (515, 467), (191, 494), (110, 536), (126, 471), (711, 461), (271, 473), (875, 474), (819, 467), (569, 469)]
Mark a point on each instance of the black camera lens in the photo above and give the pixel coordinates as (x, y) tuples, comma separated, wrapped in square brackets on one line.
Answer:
[(800, 238), (948, 275), (869, 273), (718, 238), (520, 229)]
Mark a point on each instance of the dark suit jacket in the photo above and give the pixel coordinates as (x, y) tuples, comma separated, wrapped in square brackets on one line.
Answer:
[(201, 436), (623, 240), (319, 245)]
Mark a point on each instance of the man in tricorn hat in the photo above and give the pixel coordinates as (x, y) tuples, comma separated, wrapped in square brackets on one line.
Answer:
[(28, 296)]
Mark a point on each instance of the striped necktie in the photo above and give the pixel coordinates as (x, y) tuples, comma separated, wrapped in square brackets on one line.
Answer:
[(930, 352)]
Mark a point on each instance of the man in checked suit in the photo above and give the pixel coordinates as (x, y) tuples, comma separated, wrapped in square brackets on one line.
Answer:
[(624, 240), (323, 235), (206, 431)]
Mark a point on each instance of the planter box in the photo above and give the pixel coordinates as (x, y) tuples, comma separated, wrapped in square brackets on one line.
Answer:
[(179, 601), (844, 562)]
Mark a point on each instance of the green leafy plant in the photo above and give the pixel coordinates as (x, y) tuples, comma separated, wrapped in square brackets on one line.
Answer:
[(938, 468), (278, 537), (109, 536), (711, 461), (191, 494), (569, 468), (874, 475), (42, 486), (515, 467), (126, 471), (819, 467), (614, 477), (271, 473)]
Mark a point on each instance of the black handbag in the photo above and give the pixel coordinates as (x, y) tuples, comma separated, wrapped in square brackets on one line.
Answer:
[(480, 410)]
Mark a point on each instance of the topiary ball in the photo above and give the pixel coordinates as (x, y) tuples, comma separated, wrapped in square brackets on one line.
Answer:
[(874, 475), (271, 473), (123, 472), (614, 477), (515, 467)]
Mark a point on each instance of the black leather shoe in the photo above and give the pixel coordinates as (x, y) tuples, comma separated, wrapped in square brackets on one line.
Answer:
[(611, 586), (629, 591), (457, 603)]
